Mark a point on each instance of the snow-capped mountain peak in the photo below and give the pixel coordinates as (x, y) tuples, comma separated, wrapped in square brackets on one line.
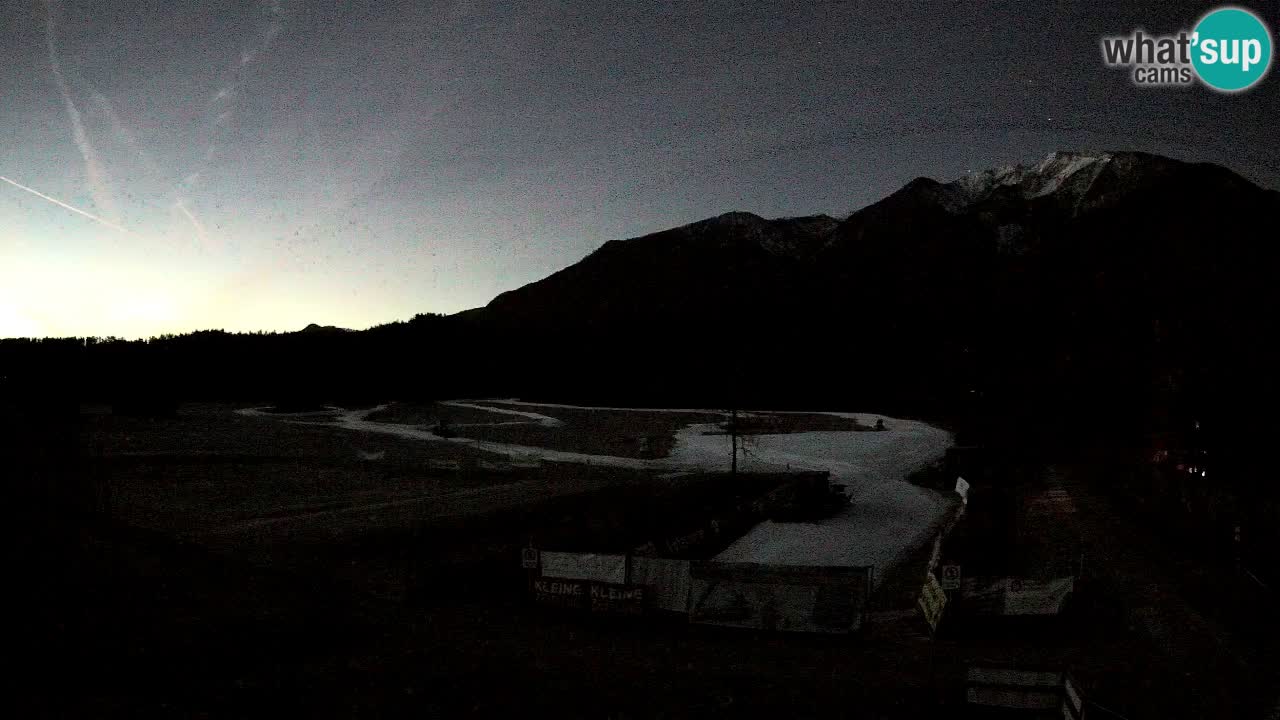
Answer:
[(1052, 174)]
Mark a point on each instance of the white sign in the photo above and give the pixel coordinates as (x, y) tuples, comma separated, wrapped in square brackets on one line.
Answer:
[(950, 577), (529, 558), (585, 566), (962, 489)]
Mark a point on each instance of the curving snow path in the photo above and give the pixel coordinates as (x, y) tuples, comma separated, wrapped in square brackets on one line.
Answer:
[(543, 420), (886, 519), (356, 420)]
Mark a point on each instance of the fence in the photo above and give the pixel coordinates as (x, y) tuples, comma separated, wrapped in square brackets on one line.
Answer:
[(667, 580), (779, 597), (744, 595)]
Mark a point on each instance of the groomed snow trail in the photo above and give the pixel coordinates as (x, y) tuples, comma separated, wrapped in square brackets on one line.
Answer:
[(887, 517)]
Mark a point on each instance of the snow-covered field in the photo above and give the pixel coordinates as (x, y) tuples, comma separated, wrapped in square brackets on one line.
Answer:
[(886, 519)]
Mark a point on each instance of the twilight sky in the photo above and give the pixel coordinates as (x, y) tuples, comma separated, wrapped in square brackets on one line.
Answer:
[(271, 163)]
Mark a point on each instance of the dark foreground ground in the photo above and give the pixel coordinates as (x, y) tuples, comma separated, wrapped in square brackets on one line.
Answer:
[(329, 609)]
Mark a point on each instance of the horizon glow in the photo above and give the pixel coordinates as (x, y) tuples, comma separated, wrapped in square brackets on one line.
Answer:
[(267, 165)]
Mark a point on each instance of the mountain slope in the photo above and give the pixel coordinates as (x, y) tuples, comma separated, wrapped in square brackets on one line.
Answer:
[(647, 283)]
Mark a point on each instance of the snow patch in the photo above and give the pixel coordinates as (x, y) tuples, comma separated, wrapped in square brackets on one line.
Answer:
[(1044, 178)]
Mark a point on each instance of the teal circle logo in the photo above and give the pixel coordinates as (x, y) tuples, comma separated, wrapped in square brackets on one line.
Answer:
[(1231, 49)]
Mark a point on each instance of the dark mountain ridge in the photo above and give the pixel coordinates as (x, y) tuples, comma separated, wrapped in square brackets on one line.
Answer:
[(1114, 279)]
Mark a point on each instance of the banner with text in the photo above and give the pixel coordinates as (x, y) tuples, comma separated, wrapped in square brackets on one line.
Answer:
[(779, 597)]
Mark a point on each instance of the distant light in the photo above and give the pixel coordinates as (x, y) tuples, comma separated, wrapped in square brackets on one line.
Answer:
[(1202, 473)]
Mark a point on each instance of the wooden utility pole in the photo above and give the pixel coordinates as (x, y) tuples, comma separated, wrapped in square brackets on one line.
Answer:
[(735, 368), (733, 439)]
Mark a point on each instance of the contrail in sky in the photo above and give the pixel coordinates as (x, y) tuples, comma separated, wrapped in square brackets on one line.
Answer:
[(123, 131), (93, 167), (224, 101), (199, 227), (72, 208)]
